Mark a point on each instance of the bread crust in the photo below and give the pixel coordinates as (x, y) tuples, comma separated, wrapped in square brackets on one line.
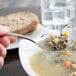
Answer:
[(29, 28)]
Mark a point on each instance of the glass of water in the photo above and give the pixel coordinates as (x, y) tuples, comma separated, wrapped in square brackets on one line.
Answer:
[(56, 14)]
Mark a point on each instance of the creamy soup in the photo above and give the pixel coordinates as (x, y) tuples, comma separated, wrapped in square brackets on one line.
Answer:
[(44, 67)]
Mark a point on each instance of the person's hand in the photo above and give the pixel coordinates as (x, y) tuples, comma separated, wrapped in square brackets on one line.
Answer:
[(5, 41)]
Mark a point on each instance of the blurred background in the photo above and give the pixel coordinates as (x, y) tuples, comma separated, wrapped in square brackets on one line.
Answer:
[(19, 3), (22, 4)]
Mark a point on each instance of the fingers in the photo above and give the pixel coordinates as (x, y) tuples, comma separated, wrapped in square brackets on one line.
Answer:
[(3, 51), (12, 39), (4, 41), (3, 30), (1, 62)]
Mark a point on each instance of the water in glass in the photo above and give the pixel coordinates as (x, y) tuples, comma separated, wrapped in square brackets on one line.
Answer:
[(57, 13)]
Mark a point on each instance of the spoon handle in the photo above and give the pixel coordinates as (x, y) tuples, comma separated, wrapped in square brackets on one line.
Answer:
[(21, 36)]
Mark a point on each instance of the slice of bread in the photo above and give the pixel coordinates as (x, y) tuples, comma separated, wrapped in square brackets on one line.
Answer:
[(3, 21), (21, 22)]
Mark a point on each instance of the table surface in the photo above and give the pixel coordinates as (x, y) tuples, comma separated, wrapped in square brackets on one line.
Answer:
[(12, 66)]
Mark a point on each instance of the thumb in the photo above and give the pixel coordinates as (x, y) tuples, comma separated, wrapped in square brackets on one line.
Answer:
[(3, 30)]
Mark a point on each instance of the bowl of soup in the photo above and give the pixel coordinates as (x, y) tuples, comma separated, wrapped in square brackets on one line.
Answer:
[(40, 62)]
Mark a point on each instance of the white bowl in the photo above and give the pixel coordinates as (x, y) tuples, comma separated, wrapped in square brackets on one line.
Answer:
[(26, 50)]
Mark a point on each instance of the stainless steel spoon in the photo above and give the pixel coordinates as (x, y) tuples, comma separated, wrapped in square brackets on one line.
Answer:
[(21, 36), (43, 43)]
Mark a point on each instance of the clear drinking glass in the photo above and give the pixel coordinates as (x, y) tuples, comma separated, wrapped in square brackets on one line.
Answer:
[(56, 14)]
